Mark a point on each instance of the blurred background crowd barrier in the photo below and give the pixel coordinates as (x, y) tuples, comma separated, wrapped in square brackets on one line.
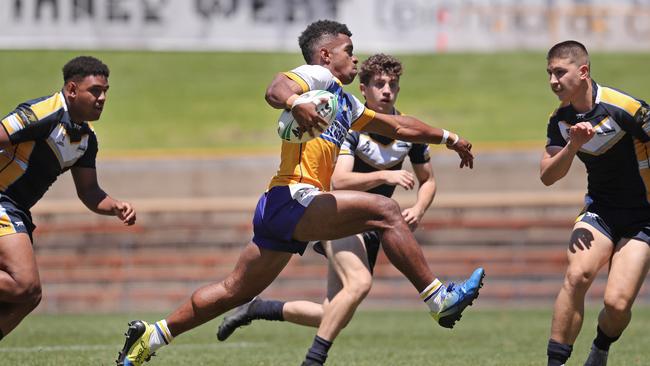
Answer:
[(389, 25)]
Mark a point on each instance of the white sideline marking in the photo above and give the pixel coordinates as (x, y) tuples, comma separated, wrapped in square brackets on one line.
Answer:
[(118, 347)]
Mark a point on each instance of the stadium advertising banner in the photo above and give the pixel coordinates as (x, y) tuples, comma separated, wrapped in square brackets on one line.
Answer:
[(387, 25)]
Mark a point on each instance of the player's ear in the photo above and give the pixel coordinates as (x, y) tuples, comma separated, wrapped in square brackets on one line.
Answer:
[(324, 54), (362, 87), (583, 71), (71, 88)]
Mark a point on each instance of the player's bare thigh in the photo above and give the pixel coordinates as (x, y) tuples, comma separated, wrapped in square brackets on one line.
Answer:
[(588, 250), (338, 214), (629, 268), (18, 270), (348, 264)]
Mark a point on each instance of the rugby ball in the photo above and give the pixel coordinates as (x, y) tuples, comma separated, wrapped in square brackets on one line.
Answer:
[(326, 106)]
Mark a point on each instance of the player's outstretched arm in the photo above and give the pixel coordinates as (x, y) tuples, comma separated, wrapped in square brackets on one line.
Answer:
[(98, 201), (408, 128)]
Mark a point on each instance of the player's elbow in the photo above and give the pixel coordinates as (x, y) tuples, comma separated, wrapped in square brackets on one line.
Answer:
[(546, 180), (269, 97), (273, 92), (337, 183)]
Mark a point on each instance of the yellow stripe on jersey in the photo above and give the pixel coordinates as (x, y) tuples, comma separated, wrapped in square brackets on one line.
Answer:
[(48, 106), (14, 166), (641, 150), (299, 80), (13, 123), (361, 122), (6, 226), (618, 99)]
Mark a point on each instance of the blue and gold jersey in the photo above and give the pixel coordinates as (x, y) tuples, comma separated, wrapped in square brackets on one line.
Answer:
[(46, 143), (312, 162), (617, 156)]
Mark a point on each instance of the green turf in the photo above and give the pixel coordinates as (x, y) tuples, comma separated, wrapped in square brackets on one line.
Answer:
[(214, 101), (483, 337)]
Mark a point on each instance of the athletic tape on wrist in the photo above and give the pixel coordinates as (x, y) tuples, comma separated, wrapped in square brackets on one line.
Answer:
[(445, 136)]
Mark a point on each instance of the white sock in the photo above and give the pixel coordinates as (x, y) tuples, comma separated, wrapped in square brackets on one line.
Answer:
[(433, 295), (160, 336)]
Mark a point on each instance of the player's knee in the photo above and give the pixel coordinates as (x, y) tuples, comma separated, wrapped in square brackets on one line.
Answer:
[(29, 294), (360, 287), (617, 306), (388, 208), (578, 279)]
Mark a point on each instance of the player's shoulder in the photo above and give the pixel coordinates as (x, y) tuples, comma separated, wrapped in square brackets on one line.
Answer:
[(39, 108), (55, 100), (316, 71), (616, 100)]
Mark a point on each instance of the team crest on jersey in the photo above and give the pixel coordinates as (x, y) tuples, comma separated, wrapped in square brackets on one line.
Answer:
[(608, 133), (66, 152), (381, 156)]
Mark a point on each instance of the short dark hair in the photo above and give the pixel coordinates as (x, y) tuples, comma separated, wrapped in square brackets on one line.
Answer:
[(82, 66), (573, 50), (378, 64), (316, 32)]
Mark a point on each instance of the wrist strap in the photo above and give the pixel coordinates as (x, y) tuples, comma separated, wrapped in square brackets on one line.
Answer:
[(445, 137)]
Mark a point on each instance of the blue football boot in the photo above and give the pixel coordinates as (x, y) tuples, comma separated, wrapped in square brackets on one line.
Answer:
[(457, 298)]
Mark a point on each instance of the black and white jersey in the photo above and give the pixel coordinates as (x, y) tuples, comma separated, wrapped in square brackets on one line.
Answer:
[(46, 143), (617, 157), (374, 152)]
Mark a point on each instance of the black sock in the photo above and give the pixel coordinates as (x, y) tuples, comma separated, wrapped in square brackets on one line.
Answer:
[(558, 353), (1, 334), (268, 310), (603, 341), (318, 350)]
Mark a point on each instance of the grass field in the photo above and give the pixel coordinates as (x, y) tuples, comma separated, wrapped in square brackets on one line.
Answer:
[(214, 101), (483, 337)]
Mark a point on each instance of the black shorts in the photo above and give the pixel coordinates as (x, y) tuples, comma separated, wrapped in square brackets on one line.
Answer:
[(13, 219), (370, 239), (617, 223)]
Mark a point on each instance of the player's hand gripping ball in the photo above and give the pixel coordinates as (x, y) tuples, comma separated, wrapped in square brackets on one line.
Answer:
[(326, 106)]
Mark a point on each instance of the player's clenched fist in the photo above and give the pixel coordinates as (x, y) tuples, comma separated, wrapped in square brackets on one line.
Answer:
[(581, 133)]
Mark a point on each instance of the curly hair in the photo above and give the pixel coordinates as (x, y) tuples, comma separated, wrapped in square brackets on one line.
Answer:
[(378, 64), (573, 50), (82, 66), (316, 32)]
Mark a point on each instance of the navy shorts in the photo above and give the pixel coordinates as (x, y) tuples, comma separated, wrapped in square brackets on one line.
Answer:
[(370, 239), (617, 223), (277, 214), (13, 219)]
